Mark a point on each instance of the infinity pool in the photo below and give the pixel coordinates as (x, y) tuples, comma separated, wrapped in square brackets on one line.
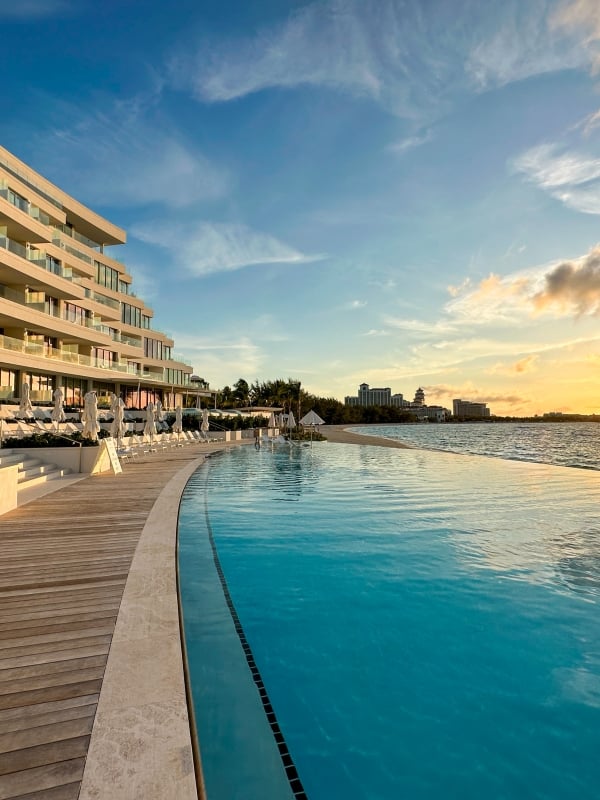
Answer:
[(425, 625)]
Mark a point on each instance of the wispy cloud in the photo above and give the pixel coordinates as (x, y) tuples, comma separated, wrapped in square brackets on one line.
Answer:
[(354, 305), (125, 155), (393, 53), (583, 18), (207, 247), (376, 332), (30, 10), (221, 357), (528, 42), (549, 169), (523, 366), (403, 145)]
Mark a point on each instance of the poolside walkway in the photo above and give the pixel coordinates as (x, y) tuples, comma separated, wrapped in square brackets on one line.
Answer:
[(66, 558)]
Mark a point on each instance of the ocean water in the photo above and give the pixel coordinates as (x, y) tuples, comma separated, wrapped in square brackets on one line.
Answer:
[(567, 444), (426, 624)]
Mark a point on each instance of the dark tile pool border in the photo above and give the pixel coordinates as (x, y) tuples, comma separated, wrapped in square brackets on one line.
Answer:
[(289, 767)]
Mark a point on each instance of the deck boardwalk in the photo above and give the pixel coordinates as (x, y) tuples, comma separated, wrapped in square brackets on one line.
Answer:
[(65, 560)]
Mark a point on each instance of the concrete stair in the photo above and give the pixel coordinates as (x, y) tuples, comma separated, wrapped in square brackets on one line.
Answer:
[(32, 470)]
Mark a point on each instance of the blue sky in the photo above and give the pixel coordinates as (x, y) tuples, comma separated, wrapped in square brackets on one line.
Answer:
[(400, 192)]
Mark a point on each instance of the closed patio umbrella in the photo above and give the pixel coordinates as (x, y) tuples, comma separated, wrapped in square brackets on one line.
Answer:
[(89, 416), (25, 407), (58, 414), (178, 424), (149, 426), (117, 428), (204, 426)]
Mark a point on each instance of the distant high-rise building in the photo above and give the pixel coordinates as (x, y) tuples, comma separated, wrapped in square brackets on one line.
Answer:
[(463, 409), (371, 397)]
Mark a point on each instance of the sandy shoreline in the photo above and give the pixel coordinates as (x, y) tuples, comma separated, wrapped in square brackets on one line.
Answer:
[(340, 434)]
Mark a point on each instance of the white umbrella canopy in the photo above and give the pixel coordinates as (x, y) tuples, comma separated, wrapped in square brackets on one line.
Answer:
[(89, 416), (272, 423), (149, 426), (58, 413), (158, 411), (312, 418), (178, 424), (291, 421), (25, 407)]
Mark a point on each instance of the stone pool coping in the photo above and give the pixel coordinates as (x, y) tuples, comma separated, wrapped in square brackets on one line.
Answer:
[(141, 742)]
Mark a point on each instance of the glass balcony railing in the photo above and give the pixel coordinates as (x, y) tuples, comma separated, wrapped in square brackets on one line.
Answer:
[(22, 204), (57, 239), (103, 299)]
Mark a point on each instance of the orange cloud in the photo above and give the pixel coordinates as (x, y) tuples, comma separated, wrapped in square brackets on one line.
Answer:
[(572, 285)]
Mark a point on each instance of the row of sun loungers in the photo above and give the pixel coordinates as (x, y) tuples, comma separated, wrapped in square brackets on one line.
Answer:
[(132, 446)]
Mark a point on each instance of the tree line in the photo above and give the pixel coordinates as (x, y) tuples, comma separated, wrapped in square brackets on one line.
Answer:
[(289, 395)]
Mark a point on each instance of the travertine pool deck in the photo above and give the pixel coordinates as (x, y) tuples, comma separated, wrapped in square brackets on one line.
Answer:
[(88, 601)]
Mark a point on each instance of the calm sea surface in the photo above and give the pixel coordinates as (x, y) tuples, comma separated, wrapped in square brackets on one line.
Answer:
[(426, 624), (568, 444)]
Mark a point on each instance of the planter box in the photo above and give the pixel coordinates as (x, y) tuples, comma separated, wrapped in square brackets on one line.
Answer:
[(86, 460)]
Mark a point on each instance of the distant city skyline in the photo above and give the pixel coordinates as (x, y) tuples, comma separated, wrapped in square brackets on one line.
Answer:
[(402, 193)]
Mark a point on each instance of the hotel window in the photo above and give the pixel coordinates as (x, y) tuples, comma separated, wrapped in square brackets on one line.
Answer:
[(52, 306), (107, 276), (102, 357), (74, 389), (75, 314), (154, 348), (134, 367), (53, 265), (145, 321), (41, 383), (131, 315), (8, 381), (123, 287)]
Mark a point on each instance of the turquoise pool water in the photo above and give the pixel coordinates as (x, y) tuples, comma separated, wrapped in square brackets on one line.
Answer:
[(426, 625)]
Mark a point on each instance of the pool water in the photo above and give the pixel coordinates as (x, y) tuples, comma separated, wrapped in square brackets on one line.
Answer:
[(426, 625)]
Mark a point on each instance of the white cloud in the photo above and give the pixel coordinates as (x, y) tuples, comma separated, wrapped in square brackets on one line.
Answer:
[(569, 176), (526, 44), (206, 247), (376, 332), (393, 53), (410, 143), (123, 156), (581, 17), (547, 168)]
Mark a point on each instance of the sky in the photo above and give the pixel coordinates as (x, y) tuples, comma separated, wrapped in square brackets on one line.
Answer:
[(398, 192)]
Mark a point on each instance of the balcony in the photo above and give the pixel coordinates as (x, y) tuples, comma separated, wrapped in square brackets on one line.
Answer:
[(24, 205), (57, 239), (38, 258)]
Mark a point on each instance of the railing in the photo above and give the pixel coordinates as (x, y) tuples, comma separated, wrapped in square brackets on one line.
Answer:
[(58, 241), (103, 299), (24, 178), (24, 205), (68, 357)]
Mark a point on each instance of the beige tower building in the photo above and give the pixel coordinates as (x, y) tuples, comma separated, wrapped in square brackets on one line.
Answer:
[(68, 316)]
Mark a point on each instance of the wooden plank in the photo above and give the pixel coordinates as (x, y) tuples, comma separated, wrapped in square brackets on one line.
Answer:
[(62, 579), (40, 779)]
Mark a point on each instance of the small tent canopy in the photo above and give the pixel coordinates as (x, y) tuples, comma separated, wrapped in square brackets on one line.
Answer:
[(311, 419)]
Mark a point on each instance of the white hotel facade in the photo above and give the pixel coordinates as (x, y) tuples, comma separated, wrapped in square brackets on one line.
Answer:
[(69, 318)]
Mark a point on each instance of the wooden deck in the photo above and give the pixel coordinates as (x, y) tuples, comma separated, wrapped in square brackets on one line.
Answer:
[(64, 561)]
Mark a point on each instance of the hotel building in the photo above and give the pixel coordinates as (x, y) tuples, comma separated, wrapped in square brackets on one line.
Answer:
[(69, 318), (463, 409)]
